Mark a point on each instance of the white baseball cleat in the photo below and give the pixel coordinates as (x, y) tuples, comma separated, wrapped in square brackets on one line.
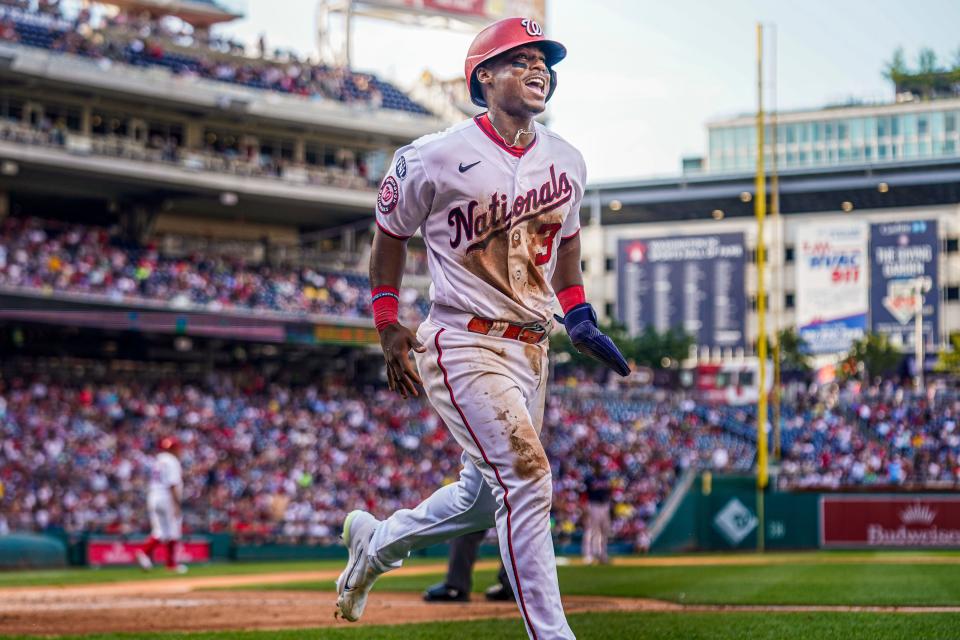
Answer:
[(180, 568), (353, 585), (143, 560)]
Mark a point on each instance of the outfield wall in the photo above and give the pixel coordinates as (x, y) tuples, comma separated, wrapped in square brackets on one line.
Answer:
[(720, 513), (716, 513)]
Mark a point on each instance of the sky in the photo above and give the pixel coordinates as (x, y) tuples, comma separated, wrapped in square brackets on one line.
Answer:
[(643, 77)]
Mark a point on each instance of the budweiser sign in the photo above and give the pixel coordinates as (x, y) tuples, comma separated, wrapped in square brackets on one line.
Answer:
[(890, 521)]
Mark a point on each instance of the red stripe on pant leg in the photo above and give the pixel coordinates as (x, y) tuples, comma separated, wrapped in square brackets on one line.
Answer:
[(149, 546), (506, 492), (171, 554)]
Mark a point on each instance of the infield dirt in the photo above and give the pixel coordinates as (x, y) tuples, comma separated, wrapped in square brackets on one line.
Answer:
[(189, 604)]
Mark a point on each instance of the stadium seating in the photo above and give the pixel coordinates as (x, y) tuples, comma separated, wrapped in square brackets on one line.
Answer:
[(122, 40), (270, 462), (54, 256), (884, 436)]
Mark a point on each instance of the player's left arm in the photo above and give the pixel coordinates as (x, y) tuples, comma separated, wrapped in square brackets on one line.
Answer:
[(174, 481), (567, 272), (579, 318), (175, 498)]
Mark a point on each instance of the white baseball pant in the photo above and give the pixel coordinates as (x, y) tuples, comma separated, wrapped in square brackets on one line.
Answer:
[(164, 523), (490, 393)]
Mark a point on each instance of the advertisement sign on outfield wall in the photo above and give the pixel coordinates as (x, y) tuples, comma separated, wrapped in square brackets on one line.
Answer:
[(691, 283), (901, 253), (890, 521), (831, 273), (105, 551)]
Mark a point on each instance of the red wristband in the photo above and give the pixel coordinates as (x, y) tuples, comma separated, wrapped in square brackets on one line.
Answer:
[(386, 306), (571, 297)]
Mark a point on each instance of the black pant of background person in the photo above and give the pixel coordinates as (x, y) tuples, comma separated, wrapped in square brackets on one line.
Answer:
[(459, 581)]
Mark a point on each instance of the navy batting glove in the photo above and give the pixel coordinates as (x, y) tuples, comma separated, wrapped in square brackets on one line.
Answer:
[(581, 325)]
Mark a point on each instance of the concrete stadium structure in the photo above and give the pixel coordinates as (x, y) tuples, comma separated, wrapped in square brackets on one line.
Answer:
[(709, 203)]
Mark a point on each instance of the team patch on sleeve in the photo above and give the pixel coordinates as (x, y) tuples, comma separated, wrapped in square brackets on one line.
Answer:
[(389, 196)]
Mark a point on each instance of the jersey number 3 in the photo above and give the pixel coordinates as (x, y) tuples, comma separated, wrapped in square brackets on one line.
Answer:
[(549, 232)]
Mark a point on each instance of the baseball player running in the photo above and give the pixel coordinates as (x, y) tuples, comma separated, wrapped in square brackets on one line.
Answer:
[(163, 505), (497, 200)]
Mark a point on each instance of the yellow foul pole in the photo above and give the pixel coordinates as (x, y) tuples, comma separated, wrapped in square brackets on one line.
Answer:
[(760, 209), (778, 243)]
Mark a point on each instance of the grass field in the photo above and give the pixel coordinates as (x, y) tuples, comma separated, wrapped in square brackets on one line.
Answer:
[(832, 578), (828, 578), (625, 626)]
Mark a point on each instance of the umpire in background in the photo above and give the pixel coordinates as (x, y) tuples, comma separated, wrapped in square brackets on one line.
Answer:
[(457, 586)]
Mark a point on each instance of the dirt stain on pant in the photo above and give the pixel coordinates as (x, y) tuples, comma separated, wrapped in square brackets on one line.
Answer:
[(534, 354), (531, 461)]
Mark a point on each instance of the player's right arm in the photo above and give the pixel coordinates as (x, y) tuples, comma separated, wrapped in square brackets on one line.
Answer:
[(386, 273), (403, 202)]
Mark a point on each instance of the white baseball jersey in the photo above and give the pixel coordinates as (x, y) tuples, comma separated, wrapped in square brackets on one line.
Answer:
[(491, 215), (165, 472)]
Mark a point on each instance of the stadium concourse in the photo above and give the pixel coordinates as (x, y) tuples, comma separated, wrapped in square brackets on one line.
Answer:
[(342, 169)]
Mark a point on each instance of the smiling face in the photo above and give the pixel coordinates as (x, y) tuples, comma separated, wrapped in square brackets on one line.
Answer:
[(517, 82)]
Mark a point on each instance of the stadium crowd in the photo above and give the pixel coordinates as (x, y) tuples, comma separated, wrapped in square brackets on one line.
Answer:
[(271, 461), (49, 256), (881, 436), (144, 41), (267, 461)]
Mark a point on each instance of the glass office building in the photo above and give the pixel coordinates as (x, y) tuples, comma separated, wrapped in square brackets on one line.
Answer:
[(856, 134)]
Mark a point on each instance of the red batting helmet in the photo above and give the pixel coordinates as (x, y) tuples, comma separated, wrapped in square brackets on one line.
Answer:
[(169, 443), (502, 36)]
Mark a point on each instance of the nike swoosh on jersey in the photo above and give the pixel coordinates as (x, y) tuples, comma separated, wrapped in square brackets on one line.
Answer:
[(464, 169)]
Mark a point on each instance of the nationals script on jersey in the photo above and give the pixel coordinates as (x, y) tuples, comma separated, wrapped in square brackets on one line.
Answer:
[(491, 215)]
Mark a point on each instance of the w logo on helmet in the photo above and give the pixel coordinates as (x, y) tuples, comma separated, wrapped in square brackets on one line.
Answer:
[(532, 27)]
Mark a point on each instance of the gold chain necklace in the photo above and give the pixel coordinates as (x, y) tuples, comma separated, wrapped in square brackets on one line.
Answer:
[(516, 138)]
